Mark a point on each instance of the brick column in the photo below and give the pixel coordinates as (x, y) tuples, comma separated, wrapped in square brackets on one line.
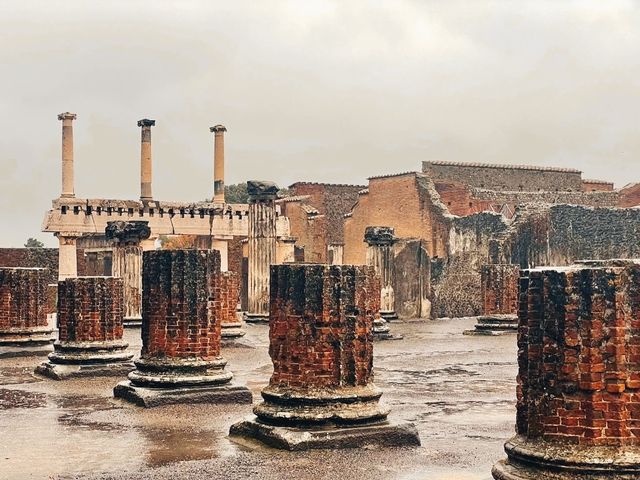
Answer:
[(578, 396), (24, 329), (145, 159), (380, 242), (90, 330), (67, 154), (230, 319), (261, 246), (499, 293), (180, 360), (127, 264), (218, 163), (321, 345)]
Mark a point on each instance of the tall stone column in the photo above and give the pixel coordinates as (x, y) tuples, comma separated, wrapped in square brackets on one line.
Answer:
[(90, 330), (380, 242), (67, 255), (262, 247), (180, 360), (67, 154), (321, 393), (218, 163), (127, 264), (577, 410), (24, 329), (145, 159)]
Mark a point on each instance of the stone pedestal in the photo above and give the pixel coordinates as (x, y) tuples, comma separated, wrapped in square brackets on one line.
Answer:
[(180, 360), (231, 322), (495, 325), (90, 330), (380, 242), (146, 166), (127, 264), (24, 329), (578, 407), (261, 247), (321, 393)]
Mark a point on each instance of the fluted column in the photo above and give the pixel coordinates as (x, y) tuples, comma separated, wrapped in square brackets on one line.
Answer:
[(218, 163), (380, 242), (127, 264), (67, 154), (261, 245), (145, 158)]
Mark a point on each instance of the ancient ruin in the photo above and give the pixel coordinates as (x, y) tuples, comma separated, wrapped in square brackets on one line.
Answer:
[(321, 393), (180, 360), (579, 374), (90, 312), (24, 329), (230, 317)]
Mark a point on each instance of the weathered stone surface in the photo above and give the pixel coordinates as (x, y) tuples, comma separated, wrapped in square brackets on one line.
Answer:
[(90, 330), (262, 189), (579, 374), (181, 330), (380, 256), (24, 329), (321, 345)]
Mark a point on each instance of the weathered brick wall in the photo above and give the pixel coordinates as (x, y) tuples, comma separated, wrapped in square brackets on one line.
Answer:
[(176, 302), (579, 355), (38, 258), (506, 177), (321, 324), (23, 298), (513, 199), (227, 291), (90, 309), (596, 186), (499, 288), (629, 195), (310, 231)]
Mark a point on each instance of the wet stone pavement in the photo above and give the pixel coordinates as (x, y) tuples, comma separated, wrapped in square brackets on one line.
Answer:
[(459, 391)]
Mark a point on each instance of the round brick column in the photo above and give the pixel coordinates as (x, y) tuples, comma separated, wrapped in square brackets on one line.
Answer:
[(321, 345), (230, 319), (180, 332), (24, 329), (578, 396), (90, 330)]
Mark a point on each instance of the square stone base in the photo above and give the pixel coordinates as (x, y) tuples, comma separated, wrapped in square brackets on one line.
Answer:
[(58, 371), (154, 397), (383, 434)]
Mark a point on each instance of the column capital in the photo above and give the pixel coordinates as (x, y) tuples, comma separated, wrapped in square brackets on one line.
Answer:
[(145, 122), (379, 236), (67, 116), (261, 190), (127, 232), (218, 129)]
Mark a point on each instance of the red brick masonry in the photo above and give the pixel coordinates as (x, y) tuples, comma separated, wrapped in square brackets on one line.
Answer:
[(499, 289), (23, 299)]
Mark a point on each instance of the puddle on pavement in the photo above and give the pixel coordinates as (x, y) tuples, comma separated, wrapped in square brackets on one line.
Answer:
[(20, 399), (171, 446)]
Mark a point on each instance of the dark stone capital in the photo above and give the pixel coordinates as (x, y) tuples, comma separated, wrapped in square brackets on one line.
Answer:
[(127, 232), (145, 122), (261, 190), (218, 129), (67, 116), (379, 235)]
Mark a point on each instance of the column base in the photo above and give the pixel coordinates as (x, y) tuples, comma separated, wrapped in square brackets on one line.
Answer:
[(389, 315), (26, 342), (57, 371), (153, 397), (381, 330), (542, 460), (256, 317), (232, 330), (381, 434), (497, 324), (132, 322)]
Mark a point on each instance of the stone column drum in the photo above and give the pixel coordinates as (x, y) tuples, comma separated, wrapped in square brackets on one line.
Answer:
[(321, 393), (127, 264), (499, 293), (24, 329), (261, 247), (90, 330), (230, 319), (578, 395), (180, 360), (380, 242)]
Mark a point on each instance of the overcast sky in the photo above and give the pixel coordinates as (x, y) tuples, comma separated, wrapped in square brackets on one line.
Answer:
[(309, 90)]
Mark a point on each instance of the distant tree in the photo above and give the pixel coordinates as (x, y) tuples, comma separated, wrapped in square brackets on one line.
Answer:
[(236, 193), (33, 243)]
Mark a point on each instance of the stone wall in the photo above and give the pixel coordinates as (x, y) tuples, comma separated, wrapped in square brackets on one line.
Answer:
[(499, 289), (506, 177), (90, 309), (39, 258)]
